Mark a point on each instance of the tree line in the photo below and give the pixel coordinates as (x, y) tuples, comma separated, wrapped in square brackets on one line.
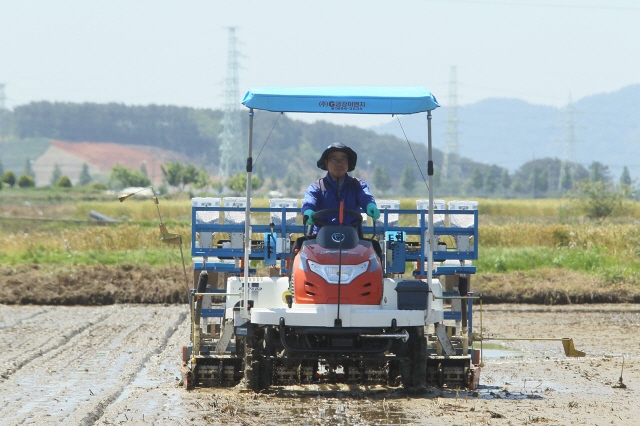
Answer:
[(28, 178)]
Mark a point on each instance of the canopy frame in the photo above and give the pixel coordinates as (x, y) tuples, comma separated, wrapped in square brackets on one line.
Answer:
[(338, 100)]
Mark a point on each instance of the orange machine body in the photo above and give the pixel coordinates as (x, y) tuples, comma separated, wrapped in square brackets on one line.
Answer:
[(312, 288)]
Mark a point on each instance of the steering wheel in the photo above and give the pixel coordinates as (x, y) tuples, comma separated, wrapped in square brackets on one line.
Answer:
[(316, 217)]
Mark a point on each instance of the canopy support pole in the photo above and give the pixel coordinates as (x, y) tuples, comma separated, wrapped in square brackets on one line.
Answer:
[(430, 181), (247, 222)]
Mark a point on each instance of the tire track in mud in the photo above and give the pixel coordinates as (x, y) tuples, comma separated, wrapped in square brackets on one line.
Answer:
[(28, 350), (86, 370), (93, 416), (7, 314), (154, 395), (46, 362)]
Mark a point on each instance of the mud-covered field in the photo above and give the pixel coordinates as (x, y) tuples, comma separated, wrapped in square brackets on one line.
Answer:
[(120, 364)]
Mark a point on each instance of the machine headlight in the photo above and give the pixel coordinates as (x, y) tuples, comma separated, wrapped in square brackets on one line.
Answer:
[(330, 272)]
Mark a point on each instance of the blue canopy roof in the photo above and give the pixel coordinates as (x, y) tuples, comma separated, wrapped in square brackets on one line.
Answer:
[(343, 100)]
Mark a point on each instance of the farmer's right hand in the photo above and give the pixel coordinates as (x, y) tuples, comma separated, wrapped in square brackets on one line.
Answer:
[(309, 213)]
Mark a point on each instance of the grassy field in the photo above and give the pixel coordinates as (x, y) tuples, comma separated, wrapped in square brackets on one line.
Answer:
[(524, 244)]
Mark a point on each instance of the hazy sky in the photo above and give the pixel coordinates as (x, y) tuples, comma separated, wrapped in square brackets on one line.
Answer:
[(175, 52)]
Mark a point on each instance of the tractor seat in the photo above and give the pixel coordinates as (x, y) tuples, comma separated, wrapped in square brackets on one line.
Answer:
[(331, 236)]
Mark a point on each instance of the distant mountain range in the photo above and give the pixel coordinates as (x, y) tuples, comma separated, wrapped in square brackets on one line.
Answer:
[(510, 132)]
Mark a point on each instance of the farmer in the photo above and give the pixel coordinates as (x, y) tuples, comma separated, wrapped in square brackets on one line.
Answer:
[(336, 186)]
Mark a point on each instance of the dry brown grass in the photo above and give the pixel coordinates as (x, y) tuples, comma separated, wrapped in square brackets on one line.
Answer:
[(91, 285), (552, 286), (38, 211), (138, 209), (615, 238), (128, 283), (100, 238)]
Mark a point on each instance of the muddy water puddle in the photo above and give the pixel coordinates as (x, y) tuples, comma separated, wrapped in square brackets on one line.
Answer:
[(492, 351)]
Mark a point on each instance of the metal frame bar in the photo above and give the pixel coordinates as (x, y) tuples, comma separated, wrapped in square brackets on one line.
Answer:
[(284, 229)]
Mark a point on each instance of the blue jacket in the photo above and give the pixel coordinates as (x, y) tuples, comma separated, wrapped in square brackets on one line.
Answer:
[(325, 194)]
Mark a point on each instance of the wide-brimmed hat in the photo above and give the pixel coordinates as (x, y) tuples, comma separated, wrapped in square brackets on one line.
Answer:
[(339, 147)]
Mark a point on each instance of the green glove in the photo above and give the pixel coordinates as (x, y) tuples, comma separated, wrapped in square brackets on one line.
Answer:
[(310, 213), (372, 210)]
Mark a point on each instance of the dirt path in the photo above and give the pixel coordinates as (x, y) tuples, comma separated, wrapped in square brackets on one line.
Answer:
[(119, 365)]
